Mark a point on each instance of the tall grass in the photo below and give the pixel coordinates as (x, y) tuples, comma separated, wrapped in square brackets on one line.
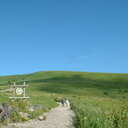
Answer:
[(98, 116)]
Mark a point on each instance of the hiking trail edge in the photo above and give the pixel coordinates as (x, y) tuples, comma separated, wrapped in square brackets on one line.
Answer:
[(59, 117)]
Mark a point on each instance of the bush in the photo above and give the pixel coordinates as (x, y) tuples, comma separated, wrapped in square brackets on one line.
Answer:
[(20, 105), (106, 93), (16, 117), (34, 114)]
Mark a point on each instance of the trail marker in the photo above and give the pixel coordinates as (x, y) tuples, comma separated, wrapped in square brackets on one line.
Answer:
[(19, 91)]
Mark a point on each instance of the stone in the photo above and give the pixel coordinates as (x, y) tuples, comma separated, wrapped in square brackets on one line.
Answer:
[(35, 107), (24, 115), (1, 108), (40, 118), (5, 112), (31, 109)]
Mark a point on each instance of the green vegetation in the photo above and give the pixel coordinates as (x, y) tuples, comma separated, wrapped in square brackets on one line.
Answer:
[(98, 99)]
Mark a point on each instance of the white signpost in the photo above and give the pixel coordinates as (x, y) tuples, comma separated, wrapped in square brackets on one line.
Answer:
[(19, 92)]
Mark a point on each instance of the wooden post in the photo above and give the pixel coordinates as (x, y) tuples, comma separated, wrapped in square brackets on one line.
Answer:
[(14, 86), (24, 89), (15, 91)]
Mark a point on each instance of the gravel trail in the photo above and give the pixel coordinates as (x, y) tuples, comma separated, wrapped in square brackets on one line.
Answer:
[(59, 117)]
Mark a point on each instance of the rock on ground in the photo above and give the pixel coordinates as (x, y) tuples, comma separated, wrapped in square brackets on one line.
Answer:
[(59, 117), (5, 112)]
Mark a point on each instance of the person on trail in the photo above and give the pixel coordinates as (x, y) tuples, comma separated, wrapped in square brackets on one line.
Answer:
[(62, 102), (67, 103)]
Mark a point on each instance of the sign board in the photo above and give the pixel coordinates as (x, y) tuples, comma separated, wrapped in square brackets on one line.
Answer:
[(19, 91)]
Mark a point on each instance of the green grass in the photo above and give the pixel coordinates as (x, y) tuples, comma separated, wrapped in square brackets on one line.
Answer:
[(98, 99)]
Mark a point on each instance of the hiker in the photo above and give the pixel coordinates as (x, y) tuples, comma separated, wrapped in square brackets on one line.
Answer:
[(62, 102), (67, 103)]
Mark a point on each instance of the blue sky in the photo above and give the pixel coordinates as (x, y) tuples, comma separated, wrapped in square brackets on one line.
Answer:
[(70, 35)]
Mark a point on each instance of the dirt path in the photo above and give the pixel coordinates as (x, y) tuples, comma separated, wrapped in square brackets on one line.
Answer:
[(59, 117)]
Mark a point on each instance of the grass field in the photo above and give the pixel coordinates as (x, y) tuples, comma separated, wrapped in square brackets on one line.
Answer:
[(100, 100)]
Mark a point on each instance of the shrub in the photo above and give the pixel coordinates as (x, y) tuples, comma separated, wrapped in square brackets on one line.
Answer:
[(106, 93), (16, 117), (36, 113)]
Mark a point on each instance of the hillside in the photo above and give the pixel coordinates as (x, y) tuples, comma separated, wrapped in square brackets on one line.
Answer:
[(70, 82), (89, 93)]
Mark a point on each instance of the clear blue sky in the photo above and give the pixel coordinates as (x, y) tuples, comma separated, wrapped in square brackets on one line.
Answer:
[(70, 35)]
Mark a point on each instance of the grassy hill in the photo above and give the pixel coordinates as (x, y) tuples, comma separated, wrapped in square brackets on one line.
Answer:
[(98, 99)]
